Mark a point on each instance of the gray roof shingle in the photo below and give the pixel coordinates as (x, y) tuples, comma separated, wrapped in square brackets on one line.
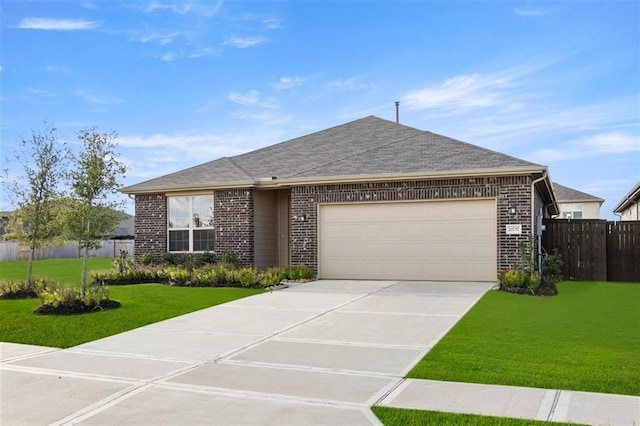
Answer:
[(368, 146), (566, 194)]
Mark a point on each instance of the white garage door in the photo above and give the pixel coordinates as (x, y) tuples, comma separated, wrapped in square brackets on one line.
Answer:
[(431, 240)]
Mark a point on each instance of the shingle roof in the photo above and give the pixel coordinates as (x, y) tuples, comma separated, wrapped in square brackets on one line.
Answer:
[(368, 146), (566, 194), (632, 196)]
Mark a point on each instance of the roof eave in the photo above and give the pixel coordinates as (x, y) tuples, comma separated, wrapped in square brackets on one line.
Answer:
[(632, 197), (406, 176), (184, 188)]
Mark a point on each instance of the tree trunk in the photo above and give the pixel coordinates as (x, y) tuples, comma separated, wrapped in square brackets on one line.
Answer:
[(32, 252), (85, 259)]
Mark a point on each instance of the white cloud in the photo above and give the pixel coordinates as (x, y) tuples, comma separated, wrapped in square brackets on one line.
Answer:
[(287, 83), (34, 23), (266, 117), (41, 92), (161, 38), (98, 99), (244, 42), (591, 146), (168, 57), (350, 84), (89, 5), (183, 7), (461, 93), (272, 23), (526, 11), (55, 68), (203, 51), (251, 98)]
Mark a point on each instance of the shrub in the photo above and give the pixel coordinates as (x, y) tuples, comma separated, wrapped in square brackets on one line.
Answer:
[(122, 262), (247, 276), (299, 272), (272, 276), (552, 266), (186, 261), (168, 259), (65, 299), (206, 258), (513, 278), (146, 259), (21, 290), (229, 258)]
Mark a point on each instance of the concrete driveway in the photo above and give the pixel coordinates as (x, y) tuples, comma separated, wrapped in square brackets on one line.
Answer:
[(315, 353)]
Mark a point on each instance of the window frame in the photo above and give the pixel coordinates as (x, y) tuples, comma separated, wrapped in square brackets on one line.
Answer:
[(190, 228)]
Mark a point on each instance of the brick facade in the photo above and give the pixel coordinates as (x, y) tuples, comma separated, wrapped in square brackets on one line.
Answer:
[(234, 216), (233, 221), (151, 225), (510, 192)]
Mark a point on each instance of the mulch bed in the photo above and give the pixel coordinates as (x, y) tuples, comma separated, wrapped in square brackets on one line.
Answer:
[(76, 308), (547, 290), (24, 294)]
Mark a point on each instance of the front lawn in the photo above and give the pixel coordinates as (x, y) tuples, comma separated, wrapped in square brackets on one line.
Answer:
[(66, 271), (404, 417), (141, 305), (587, 339)]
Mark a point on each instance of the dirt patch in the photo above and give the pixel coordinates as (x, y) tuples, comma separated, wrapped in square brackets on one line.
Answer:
[(22, 294)]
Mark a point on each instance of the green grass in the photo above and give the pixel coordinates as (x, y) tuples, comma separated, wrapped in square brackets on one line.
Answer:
[(141, 305), (66, 271), (587, 339), (404, 417)]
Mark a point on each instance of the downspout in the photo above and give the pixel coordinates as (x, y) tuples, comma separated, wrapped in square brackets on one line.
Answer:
[(533, 219)]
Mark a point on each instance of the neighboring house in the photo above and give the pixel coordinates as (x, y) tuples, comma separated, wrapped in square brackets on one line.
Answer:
[(628, 208), (125, 230), (574, 204), (370, 199)]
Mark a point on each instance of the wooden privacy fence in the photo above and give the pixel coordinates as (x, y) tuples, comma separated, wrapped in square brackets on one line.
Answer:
[(595, 250)]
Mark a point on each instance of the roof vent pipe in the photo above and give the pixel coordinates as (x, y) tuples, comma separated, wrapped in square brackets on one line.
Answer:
[(397, 111)]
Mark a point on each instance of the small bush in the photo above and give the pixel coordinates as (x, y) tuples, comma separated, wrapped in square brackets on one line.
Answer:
[(168, 259), (229, 258), (299, 272), (247, 276), (272, 276), (207, 258), (122, 263), (57, 299), (21, 290), (513, 278), (552, 266), (146, 259)]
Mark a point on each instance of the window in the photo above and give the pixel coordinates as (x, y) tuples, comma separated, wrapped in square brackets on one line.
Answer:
[(191, 223), (574, 214)]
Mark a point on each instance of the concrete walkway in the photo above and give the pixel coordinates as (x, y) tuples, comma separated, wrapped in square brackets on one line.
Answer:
[(317, 353)]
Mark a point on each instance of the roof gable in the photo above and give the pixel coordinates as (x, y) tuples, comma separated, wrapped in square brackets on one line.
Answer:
[(565, 194), (367, 147)]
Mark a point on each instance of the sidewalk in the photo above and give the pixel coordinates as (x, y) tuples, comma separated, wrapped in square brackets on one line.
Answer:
[(510, 401)]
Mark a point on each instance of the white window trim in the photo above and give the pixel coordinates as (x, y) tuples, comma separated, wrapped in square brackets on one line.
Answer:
[(190, 229)]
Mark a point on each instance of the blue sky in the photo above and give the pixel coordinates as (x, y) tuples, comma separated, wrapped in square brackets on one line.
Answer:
[(184, 82)]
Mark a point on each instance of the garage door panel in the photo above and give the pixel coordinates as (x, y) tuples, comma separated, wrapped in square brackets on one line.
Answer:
[(450, 240)]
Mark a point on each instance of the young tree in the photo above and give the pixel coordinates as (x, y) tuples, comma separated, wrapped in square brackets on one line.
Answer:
[(92, 213), (36, 193)]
